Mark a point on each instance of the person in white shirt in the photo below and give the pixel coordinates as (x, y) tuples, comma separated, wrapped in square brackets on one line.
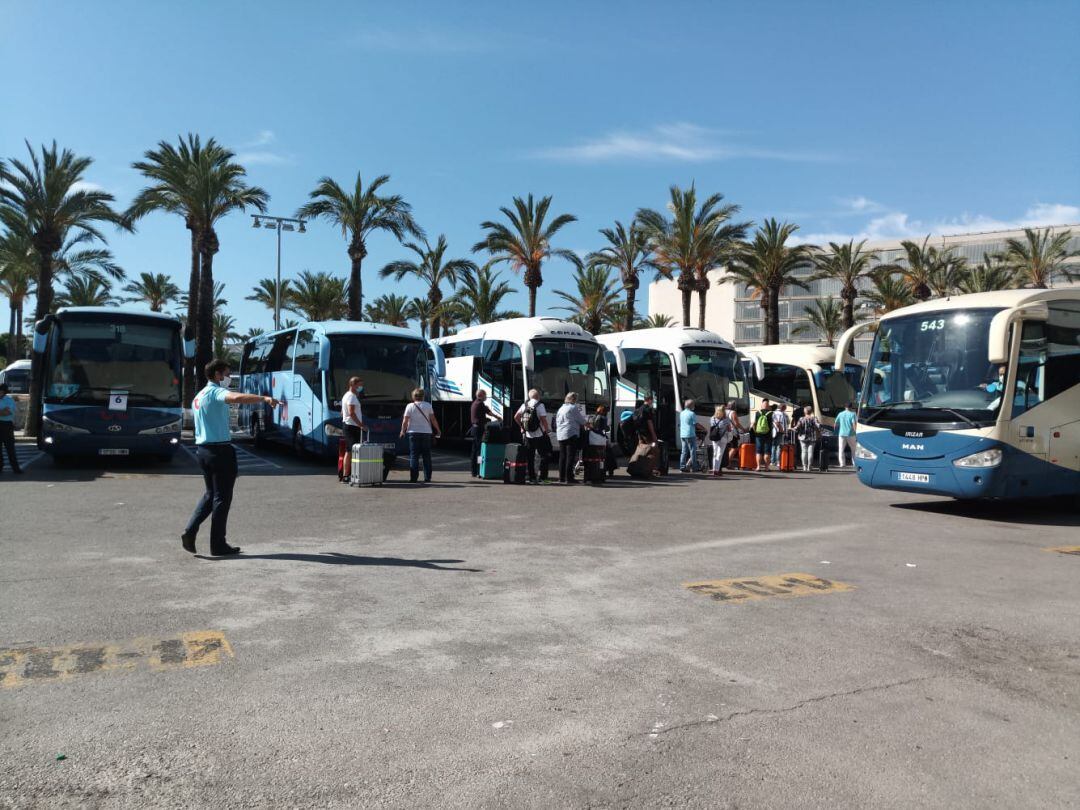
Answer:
[(352, 418), (531, 417), (420, 425), (568, 424), (781, 423)]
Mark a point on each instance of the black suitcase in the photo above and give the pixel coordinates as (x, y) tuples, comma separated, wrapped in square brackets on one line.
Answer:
[(662, 460), (822, 455), (593, 458), (495, 433), (516, 466)]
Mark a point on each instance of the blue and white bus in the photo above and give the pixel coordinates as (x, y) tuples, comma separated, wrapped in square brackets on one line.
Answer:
[(307, 368), (976, 396), (111, 382)]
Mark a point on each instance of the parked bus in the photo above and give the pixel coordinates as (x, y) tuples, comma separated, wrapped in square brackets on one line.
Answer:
[(507, 358), (673, 365), (976, 396), (111, 382), (800, 374), (307, 368), (17, 377)]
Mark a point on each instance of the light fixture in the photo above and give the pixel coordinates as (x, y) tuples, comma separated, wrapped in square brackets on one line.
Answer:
[(287, 227), (302, 228), (254, 222), (270, 225)]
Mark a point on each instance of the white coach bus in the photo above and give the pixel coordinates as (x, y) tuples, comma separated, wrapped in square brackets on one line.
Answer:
[(975, 396), (507, 358), (673, 365)]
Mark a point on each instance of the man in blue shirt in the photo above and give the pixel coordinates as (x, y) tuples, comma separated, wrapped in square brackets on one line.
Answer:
[(688, 436), (845, 433), (7, 429), (216, 455)]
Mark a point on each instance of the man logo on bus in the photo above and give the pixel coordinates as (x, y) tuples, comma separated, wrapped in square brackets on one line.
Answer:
[(907, 446)]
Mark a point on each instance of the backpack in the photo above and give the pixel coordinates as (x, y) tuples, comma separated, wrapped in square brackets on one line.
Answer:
[(763, 423), (530, 419), (718, 429), (641, 421)]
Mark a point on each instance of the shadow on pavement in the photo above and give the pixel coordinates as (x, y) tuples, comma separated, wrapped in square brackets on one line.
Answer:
[(336, 558), (1039, 512)]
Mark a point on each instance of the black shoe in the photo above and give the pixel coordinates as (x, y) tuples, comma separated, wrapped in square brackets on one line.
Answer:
[(188, 542), (227, 552)]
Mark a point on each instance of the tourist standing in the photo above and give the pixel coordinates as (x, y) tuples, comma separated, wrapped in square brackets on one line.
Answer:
[(762, 432), (781, 422), (845, 433), (352, 422), (720, 431), (808, 431), (688, 437), (531, 417), (479, 414), (421, 426), (568, 424), (7, 430)]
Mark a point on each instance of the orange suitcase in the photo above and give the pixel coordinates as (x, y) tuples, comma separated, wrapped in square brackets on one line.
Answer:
[(747, 456), (787, 458)]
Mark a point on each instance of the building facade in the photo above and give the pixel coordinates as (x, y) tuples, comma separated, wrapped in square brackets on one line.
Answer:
[(732, 311)]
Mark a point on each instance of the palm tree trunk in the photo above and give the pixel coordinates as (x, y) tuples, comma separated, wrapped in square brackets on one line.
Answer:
[(701, 308), (631, 296), (12, 341), (357, 252), (532, 301), (204, 333), (686, 296), (772, 316), (190, 381), (37, 360), (849, 308), (435, 297)]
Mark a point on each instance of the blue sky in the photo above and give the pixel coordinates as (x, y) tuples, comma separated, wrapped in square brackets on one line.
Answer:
[(850, 118)]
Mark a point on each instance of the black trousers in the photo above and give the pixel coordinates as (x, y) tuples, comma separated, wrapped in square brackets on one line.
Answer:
[(568, 452), (537, 447), (218, 462), (7, 439), (477, 444)]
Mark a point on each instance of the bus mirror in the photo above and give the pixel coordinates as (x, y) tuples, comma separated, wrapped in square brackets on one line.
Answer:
[(528, 356), (620, 360), (41, 333), (189, 348), (843, 346), (998, 343), (759, 366), (680, 363), (324, 355), (440, 358)]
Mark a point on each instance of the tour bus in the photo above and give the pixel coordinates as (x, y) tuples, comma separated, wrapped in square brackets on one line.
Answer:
[(975, 396), (507, 358), (673, 365), (110, 382), (801, 374), (17, 377), (307, 368)]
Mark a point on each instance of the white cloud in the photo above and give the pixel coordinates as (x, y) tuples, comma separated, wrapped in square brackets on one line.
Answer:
[(861, 205), (86, 185), (260, 158), (265, 137), (900, 225), (681, 142)]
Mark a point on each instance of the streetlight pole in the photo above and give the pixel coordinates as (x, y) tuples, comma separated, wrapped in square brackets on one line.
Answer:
[(279, 224)]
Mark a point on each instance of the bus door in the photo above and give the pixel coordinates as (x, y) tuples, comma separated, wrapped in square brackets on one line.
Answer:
[(279, 365), (666, 407), (307, 385)]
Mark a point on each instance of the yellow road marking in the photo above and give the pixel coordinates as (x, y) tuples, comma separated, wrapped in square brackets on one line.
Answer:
[(23, 665), (1065, 549), (745, 589)]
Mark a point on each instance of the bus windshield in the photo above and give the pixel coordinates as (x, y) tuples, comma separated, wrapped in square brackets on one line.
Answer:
[(91, 359), (391, 366), (714, 376), (562, 366), (835, 389), (932, 367)]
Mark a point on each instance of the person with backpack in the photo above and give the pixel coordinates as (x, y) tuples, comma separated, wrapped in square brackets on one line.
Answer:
[(720, 431), (531, 417), (781, 424), (762, 431), (645, 421), (808, 432)]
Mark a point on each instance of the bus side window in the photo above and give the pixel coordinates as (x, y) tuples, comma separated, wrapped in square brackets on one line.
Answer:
[(275, 360), (307, 361)]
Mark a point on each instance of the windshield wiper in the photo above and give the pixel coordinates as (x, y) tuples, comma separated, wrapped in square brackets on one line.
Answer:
[(888, 406), (85, 388), (954, 412)]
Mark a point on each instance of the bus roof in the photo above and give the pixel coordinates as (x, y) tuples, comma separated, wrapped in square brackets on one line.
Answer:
[(802, 355), (521, 330), (1001, 299), (664, 339), (346, 328), (121, 311)]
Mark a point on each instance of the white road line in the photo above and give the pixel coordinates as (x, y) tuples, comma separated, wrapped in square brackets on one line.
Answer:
[(28, 457), (798, 533)]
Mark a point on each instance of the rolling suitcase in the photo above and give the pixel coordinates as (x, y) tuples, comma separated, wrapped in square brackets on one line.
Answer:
[(342, 454), (787, 458), (822, 455), (492, 460), (660, 450), (494, 433), (747, 456), (593, 457), (642, 463), (516, 466), (366, 465)]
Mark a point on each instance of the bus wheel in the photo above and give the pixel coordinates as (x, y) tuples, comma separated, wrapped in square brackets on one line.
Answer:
[(297, 440), (258, 435)]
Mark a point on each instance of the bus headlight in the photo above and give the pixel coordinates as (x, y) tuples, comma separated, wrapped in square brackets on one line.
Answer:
[(863, 453), (59, 427), (984, 458), (172, 427), (333, 430)]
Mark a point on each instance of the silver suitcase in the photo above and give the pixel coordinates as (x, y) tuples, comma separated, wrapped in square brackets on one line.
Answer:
[(366, 465)]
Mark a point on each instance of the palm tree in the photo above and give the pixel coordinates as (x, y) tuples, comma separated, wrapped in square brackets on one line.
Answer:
[(156, 290), (44, 198), (596, 294), (359, 213), (767, 264), (251, 333), (203, 184), (224, 331), (318, 296), (991, 274), (888, 293), (390, 308), (658, 321), (18, 267), (526, 244), (433, 268), (84, 291), (423, 312), (479, 297), (628, 254), (73, 259), (825, 316), (266, 293), (217, 302), (927, 270), (1039, 257), (848, 264)]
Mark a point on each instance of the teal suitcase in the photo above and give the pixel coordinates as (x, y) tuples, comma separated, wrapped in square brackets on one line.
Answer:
[(492, 457)]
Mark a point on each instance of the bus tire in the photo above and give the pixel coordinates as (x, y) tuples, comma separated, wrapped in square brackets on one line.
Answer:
[(298, 440)]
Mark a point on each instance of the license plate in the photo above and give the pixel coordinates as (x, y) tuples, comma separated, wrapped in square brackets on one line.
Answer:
[(918, 478), (113, 451)]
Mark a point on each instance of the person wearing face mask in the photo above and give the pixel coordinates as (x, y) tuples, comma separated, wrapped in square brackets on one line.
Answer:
[(352, 419), (998, 384), (216, 456)]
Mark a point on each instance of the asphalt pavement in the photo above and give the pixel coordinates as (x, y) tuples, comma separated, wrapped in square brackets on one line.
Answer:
[(764, 640)]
